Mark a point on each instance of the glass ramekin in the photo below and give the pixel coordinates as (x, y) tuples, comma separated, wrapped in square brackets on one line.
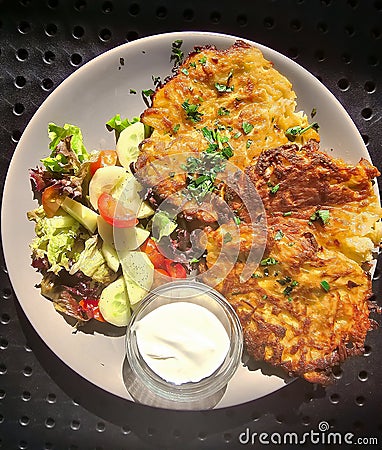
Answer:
[(190, 393)]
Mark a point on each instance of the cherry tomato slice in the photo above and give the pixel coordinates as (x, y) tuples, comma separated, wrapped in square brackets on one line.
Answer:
[(156, 257), (52, 199), (90, 306), (175, 269), (105, 158), (163, 272), (114, 213)]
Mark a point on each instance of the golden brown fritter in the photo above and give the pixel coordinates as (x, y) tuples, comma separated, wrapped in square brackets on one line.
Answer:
[(236, 91), (306, 306)]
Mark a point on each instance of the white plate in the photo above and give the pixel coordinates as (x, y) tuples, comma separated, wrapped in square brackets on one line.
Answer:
[(89, 98)]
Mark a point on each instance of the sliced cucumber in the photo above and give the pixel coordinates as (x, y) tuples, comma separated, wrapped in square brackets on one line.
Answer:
[(129, 238), (138, 267), (105, 230), (81, 213), (145, 211), (128, 144), (106, 179), (135, 292), (111, 256), (121, 238), (114, 303)]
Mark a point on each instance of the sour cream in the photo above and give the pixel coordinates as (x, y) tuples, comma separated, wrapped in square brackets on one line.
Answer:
[(182, 342)]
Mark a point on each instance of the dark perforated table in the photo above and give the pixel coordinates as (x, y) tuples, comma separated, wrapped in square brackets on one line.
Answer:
[(43, 403)]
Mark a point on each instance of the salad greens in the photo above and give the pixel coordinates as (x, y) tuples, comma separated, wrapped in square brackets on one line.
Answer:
[(92, 263), (59, 239), (118, 124), (68, 150), (68, 249)]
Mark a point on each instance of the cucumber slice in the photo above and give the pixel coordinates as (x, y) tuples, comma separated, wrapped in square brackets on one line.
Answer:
[(105, 180), (114, 303), (111, 256), (81, 213), (145, 211), (128, 142), (129, 238), (138, 267), (105, 230), (135, 292), (121, 238)]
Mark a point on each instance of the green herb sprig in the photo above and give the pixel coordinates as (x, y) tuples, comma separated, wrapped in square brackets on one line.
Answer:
[(293, 132)]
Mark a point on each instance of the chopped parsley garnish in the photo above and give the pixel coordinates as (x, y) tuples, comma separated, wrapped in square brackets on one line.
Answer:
[(176, 128), (176, 53), (268, 261), (202, 172), (237, 220), (193, 64), (325, 286), (184, 71), (256, 275), (249, 143), (192, 111), (313, 112), (274, 189), (220, 87), (156, 80), (133, 91), (279, 235), (223, 88), (203, 60), (288, 213), (227, 152), (321, 214), (146, 95), (223, 111), (284, 281), (293, 132), (217, 142), (237, 135), (290, 288), (289, 285), (247, 127)]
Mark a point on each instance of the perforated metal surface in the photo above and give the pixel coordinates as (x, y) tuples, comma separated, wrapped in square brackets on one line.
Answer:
[(43, 404)]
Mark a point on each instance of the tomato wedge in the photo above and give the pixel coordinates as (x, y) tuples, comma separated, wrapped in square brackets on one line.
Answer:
[(114, 213), (163, 272), (90, 306), (105, 158), (162, 264), (175, 269), (52, 199), (156, 257)]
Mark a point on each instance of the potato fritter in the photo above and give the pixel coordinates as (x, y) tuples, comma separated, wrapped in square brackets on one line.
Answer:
[(306, 307), (235, 91)]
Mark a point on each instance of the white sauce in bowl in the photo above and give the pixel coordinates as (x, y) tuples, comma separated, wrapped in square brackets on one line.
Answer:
[(182, 342)]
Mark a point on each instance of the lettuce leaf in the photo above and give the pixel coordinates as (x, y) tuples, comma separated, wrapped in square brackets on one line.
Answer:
[(67, 149), (60, 239), (118, 124), (92, 263), (162, 225)]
